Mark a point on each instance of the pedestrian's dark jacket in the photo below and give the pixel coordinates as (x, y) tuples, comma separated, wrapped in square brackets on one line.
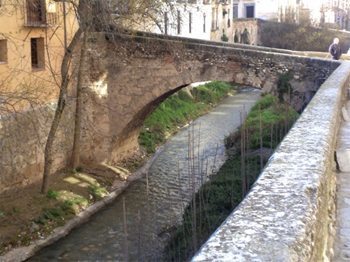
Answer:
[(335, 51)]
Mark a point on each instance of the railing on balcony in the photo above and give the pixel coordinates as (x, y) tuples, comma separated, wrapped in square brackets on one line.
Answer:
[(41, 13)]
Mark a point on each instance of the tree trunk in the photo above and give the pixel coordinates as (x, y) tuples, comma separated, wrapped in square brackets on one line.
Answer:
[(48, 154), (75, 160)]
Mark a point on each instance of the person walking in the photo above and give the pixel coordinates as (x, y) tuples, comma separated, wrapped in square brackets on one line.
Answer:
[(334, 49)]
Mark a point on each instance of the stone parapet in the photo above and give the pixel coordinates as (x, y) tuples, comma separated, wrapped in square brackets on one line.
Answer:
[(289, 213)]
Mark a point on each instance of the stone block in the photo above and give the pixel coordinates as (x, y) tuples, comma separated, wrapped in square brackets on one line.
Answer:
[(343, 159), (345, 114)]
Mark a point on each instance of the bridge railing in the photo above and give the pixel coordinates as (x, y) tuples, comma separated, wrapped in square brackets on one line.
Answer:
[(289, 213)]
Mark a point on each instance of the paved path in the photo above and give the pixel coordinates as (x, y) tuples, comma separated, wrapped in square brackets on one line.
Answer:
[(342, 241)]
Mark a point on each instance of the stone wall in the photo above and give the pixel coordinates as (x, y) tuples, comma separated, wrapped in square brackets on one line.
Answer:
[(22, 142), (289, 213)]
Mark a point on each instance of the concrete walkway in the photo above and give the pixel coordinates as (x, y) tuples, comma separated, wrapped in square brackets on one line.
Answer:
[(342, 241)]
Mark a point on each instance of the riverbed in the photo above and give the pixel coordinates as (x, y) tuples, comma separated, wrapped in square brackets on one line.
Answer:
[(138, 224)]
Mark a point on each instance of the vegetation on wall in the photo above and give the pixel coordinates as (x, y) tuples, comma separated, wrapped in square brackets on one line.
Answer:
[(177, 110), (224, 37), (264, 127), (284, 86)]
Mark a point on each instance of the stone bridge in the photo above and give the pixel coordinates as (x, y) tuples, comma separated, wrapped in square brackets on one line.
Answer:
[(131, 75)]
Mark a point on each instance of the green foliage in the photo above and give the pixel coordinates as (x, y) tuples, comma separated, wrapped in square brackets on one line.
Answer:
[(59, 212), (98, 192), (177, 110), (283, 85), (224, 38), (50, 214), (52, 194), (2, 214), (79, 169), (275, 119)]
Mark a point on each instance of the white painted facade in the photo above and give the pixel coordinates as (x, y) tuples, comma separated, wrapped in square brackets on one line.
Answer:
[(191, 20), (200, 19), (262, 9)]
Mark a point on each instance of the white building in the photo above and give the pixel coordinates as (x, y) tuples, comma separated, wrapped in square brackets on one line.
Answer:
[(201, 19), (264, 9), (187, 19)]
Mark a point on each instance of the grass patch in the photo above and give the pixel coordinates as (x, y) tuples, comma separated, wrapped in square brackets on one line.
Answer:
[(218, 197), (66, 204), (179, 109), (51, 194), (97, 192)]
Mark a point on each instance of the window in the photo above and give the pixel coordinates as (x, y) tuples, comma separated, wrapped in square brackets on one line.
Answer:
[(229, 19), (204, 22), (178, 22), (37, 53), (213, 19), (35, 12), (40, 13), (190, 22), (249, 11), (3, 51), (235, 11), (166, 23)]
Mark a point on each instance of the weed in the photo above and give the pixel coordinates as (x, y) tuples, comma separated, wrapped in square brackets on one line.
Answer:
[(283, 85), (79, 169), (98, 192), (72, 205), (51, 194), (50, 214)]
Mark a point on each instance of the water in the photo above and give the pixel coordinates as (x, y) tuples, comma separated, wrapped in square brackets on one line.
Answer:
[(153, 210)]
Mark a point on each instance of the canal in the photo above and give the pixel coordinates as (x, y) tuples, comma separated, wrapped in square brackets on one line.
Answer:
[(137, 226)]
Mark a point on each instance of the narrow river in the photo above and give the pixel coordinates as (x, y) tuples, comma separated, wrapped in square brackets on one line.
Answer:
[(155, 203)]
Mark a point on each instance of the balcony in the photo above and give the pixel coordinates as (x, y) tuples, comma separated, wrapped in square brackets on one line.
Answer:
[(40, 13)]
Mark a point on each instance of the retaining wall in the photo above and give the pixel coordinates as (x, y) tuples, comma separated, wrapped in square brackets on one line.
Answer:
[(22, 142), (289, 213)]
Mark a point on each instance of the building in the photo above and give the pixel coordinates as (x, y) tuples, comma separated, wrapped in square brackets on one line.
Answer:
[(274, 10), (31, 49), (200, 19)]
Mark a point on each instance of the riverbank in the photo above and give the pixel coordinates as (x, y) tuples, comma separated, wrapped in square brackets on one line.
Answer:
[(248, 150), (30, 219)]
